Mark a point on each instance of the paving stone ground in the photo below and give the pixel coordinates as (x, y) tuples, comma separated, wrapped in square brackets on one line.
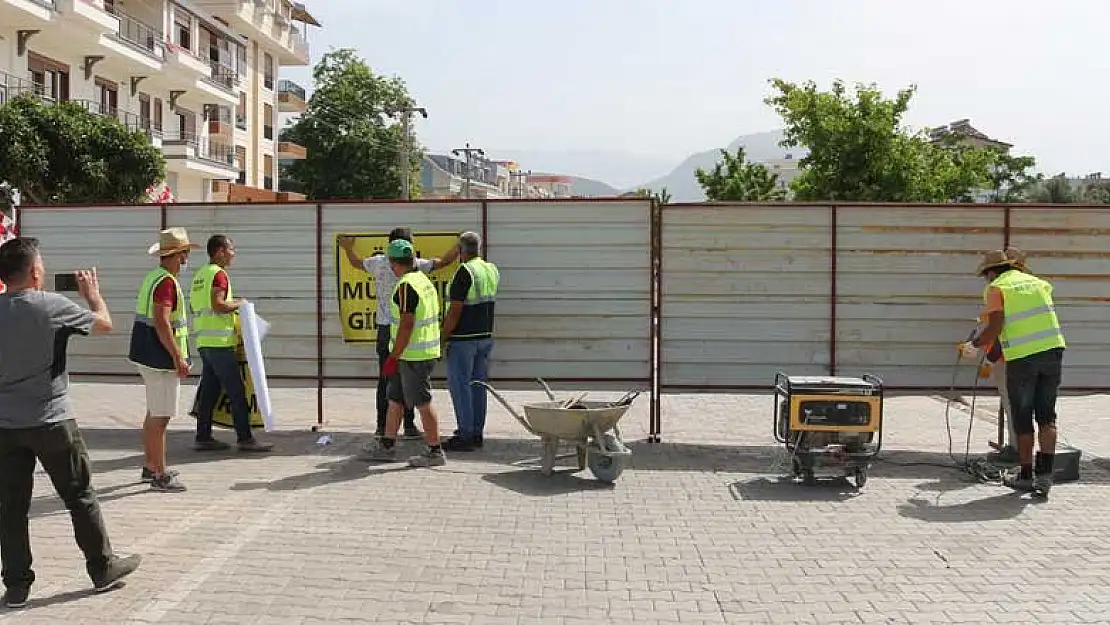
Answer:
[(698, 530)]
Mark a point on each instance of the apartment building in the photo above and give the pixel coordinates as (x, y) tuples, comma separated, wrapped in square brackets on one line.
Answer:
[(199, 77)]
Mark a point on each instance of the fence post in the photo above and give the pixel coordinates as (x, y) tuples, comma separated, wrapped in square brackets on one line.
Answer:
[(485, 229), (1006, 227), (833, 296), (165, 216), (319, 317), (655, 408)]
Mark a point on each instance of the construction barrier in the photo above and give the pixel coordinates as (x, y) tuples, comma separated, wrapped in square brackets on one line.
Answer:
[(624, 293)]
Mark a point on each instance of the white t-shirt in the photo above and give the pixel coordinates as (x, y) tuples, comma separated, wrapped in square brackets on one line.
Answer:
[(384, 282)]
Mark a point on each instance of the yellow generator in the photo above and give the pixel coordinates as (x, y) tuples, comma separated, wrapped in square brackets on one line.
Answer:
[(831, 426)]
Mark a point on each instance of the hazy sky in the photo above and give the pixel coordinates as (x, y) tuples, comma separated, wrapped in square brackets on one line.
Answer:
[(671, 77)]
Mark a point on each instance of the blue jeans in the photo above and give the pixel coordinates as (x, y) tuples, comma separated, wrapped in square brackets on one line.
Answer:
[(466, 361), (221, 370)]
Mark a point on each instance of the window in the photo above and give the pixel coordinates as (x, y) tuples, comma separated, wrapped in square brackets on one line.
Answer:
[(268, 122), (268, 167), (50, 77), (186, 124), (158, 114), (183, 29), (107, 96), (269, 71), (241, 161), (241, 112), (144, 109)]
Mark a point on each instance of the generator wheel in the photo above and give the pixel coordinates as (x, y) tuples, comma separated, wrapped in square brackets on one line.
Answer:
[(808, 477), (606, 468), (860, 477)]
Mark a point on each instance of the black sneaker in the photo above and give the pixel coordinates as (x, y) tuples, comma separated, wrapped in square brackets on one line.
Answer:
[(117, 569), (211, 445), (16, 597), (147, 475), (167, 483), (459, 443)]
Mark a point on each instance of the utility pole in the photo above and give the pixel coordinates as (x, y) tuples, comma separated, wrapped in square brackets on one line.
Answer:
[(469, 152), (406, 146)]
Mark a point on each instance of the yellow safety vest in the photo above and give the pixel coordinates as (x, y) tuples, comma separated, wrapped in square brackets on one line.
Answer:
[(144, 308), (424, 342), (484, 280), (210, 328), (1030, 325)]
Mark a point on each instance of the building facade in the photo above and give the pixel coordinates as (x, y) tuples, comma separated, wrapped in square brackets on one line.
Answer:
[(199, 77)]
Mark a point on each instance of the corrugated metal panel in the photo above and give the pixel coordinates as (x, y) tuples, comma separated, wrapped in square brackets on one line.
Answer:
[(275, 267), (1071, 248), (115, 241), (575, 294), (358, 360), (907, 289), (745, 293)]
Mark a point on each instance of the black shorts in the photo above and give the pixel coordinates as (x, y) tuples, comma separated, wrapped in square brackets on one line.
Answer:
[(411, 386), (1033, 383)]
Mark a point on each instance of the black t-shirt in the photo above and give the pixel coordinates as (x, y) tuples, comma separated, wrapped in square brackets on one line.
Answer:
[(476, 322), (406, 298)]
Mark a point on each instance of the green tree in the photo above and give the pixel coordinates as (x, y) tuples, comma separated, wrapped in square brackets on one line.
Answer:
[(352, 134), (64, 154), (1056, 190), (663, 196), (736, 179), (1096, 192), (860, 151)]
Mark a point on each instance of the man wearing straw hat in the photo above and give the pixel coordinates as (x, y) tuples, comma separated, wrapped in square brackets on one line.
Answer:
[(1022, 318), (160, 351)]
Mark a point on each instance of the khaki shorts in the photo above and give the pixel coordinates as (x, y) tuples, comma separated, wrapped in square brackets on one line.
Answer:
[(162, 390)]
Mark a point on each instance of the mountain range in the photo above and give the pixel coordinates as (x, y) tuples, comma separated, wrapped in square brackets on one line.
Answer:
[(600, 173)]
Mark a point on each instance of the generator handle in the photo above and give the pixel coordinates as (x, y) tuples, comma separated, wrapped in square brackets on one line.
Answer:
[(878, 382), (782, 394), (782, 382), (873, 379)]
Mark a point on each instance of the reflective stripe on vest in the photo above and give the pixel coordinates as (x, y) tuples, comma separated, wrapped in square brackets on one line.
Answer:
[(210, 328), (1030, 324), (424, 341), (144, 307)]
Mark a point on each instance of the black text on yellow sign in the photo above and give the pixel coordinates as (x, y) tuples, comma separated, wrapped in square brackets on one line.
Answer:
[(355, 288), (221, 415)]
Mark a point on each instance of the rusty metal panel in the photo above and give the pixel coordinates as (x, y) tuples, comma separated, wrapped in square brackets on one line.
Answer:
[(1070, 247), (359, 360), (575, 294), (907, 289), (114, 240), (745, 292), (274, 267)]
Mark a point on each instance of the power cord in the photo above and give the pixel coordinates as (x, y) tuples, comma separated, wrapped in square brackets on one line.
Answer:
[(979, 468)]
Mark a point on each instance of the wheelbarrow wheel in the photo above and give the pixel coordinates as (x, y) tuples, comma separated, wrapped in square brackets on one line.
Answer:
[(860, 476), (606, 468)]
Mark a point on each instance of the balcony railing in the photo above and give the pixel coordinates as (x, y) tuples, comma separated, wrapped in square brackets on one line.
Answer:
[(240, 120), (204, 148), (49, 4), (12, 86), (223, 75), (139, 34), (299, 39), (268, 81), (292, 88), (132, 121)]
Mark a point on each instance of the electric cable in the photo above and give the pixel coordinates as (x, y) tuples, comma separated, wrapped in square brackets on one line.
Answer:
[(979, 468)]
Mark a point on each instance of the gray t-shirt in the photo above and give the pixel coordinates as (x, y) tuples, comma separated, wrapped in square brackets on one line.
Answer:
[(35, 327)]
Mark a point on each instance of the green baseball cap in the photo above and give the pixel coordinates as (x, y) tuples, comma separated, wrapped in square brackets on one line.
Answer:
[(399, 248)]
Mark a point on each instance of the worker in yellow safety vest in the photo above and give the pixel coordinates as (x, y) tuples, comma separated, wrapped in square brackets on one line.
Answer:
[(414, 349), (159, 349), (214, 310), (1021, 316)]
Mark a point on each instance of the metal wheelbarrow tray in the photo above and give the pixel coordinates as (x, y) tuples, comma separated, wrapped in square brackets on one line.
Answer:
[(591, 426)]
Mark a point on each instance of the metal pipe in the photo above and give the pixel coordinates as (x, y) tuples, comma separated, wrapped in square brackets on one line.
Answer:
[(319, 315), (833, 295)]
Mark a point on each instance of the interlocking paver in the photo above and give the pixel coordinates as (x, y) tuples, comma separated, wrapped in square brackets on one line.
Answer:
[(699, 530)]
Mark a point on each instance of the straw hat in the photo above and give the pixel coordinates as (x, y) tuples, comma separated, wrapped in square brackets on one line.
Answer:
[(1017, 255), (170, 242), (995, 259)]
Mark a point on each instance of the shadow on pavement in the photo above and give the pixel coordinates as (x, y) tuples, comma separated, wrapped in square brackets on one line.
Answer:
[(997, 508), (533, 483), (834, 490)]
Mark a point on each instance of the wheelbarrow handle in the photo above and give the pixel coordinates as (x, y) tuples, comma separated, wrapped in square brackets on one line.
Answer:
[(523, 422)]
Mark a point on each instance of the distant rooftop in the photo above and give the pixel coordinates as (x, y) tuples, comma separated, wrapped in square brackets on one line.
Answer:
[(963, 128)]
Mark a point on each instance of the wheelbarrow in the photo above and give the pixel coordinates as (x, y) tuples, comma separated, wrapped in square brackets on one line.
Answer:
[(591, 426)]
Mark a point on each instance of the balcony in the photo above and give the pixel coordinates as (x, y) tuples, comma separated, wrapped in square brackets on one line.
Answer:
[(27, 13), (187, 61), (223, 76), (13, 86), (291, 151), (89, 15), (268, 21), (131, 121), (291, 97), (139, 35), (188, 152)]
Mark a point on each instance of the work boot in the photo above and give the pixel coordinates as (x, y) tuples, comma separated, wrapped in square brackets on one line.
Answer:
[(379, 451), (1042, 484), (430, 458), (16, 597), (1015, 481), (117, 569)]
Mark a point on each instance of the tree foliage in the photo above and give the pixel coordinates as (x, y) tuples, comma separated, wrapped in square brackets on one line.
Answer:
[(1096, 192), (352, 134), (736, 179), (859, 149), (59, 154), (1055, 190), (663, 196)]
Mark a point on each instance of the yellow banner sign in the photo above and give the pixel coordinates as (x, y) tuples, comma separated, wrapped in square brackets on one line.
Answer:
[(356, 289), (221, 416)]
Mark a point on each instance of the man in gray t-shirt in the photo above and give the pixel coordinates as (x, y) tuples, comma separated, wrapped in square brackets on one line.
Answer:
[(37, 422)]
